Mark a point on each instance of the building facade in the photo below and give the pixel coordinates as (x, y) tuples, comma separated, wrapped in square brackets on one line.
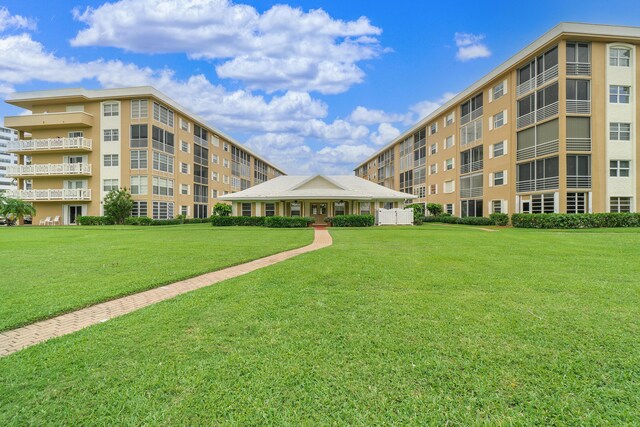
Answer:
[(77, 145), (7, 159), (553, 129)]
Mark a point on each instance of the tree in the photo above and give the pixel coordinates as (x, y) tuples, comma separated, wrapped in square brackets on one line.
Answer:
[(222, 209), (418, 212), (118, 205), (434, 209), (14, 209)]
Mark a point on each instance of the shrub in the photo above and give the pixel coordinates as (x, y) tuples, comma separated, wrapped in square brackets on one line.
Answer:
[(467, 220), (94, 220), (222, 221), (570, 221), (118, 205), (222, 209), (174, 221), (434, 209), (352, 221), (287, 222), (499, 218), (247, 221), (135, 220)]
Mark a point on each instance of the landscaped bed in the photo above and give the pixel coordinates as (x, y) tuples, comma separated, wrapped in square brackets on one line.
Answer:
[(47, 271), (405, 325)]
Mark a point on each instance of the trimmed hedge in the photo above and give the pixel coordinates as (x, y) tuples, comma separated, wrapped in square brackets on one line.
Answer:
[(467, 220), (135, 220), (94, 220), (499, 219), (352, 221), (261, 221), (571, 221)]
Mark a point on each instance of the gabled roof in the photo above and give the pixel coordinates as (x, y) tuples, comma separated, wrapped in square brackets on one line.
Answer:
[(318, 187)]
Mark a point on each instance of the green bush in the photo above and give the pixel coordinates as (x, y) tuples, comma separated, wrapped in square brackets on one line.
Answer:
[(570, 221), (174, 221), (467, 220), (135, 220), (287, 222), (245, 221), (94, 220), (499, 218), (222, 221), (434, 209), (352, 221)]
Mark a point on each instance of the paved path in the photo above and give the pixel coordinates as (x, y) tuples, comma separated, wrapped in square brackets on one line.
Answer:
[(17, 339)]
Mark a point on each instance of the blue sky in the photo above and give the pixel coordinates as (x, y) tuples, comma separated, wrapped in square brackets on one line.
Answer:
[(315, 86)]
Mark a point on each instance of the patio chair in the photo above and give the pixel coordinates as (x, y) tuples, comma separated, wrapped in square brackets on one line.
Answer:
[(45, 221), (56, 220)]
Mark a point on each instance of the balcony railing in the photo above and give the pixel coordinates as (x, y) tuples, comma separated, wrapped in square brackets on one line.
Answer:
[(578, 144), (471, 167), (551, 183), (537, 81), (466, 193), (539, 150), (50, 144), (50, 169), (578, 106), (578, 181), (51, 194), (538, 115), (578, 69), (471, 116)]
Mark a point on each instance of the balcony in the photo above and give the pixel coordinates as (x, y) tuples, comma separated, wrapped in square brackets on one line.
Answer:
[(578, 181), (538, 115), (50, 145), (578, 106), (578, 69), (539, 150), (578, 144), (537, 81), (466, 193), (551, 183), (471, 116), (63, 169), (51, 195), (76, 119), (471, 167)]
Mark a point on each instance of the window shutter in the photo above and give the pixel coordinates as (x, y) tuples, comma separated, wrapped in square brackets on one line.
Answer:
[(491, 123), (505, 206), (505, 117), (444, 165), (505, 85), (491, 179), (491, 151), (490, 94), (505, 145), (490, 206), (505, 176)]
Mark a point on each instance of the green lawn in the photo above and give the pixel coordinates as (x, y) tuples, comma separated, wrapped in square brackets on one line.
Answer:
[(390, 326), (47, 271)]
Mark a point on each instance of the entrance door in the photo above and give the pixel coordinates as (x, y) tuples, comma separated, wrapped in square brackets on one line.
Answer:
[(74, 212), (319, 212)]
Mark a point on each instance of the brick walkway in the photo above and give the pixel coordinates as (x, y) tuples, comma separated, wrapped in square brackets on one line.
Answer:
[(17, 339)]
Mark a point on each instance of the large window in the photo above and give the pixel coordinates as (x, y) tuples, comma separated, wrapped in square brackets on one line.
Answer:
[(619, 168), (472, 160), (537, 175), (543, 203), (110, 184), (365, 208), (200, 135), (538, 140), (406, 182), (162, 140), (139, 136), (138, 159), (162, 210), (578, 52), (619, 94), (339, 208), (619, 56), (471, 208), (162, 162), (295, 209), (471, 186), (471, 109), (620, 204), (139, 185), (577, 203), (619, 131), (162, 114), (110, 109), (139, 209), (162, 186), (139, 108), (269, 209), (539, 66), (246, 209), (579, 171)]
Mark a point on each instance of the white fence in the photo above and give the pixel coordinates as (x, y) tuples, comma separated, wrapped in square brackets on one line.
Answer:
[(394, 216)]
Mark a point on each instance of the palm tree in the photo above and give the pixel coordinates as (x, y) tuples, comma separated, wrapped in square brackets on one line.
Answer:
[(14, 209)]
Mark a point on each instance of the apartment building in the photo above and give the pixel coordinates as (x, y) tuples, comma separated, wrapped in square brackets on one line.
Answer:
[(7, 159), (553, 129), (77, 145)]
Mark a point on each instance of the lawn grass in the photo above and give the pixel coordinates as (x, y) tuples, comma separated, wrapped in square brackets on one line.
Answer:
[(390, 326), (51, 270)]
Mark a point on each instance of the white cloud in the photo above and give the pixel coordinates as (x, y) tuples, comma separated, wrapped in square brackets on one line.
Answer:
[(423, 108), (470, 46), (283, 48), (7, 21), (364, 116), (385, 134)]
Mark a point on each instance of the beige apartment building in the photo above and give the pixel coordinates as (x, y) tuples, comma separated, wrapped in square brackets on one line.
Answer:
[(77, 145), (553, 129)]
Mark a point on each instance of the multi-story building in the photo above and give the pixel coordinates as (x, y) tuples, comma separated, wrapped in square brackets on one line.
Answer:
[(7, 159), (83, 143), (553, 129)]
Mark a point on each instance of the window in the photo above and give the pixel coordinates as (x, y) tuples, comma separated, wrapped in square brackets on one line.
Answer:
[(162, 210), (162, 140), (138, 159), (111, 135), (110, 160), (433, 149), (420, 192), (496, 206), (215, 141), (498, 178), (576, 203), (498, 91), (365, 208), (184, 210), (200, 135), (471, 132), (184, 146), (619, 168), (433, 169), (139, 136), (619, 57), (620, 204), (339, 208), (139, 108), (184, 125), (215, 159), (448, 143), (578, 52), (449, 186), (450, 118), (162, 162), (162, 114), (471, 109), (139, 209), (498, 149), (225, 179), (110, 109), (139, 185), (225, 146), (498, 120), (184, 167), (162, 186), (184, 189), (295, 209), (537, 175), (448, 208), (472, 160), (110, 184), (246, 209), (214, 194), (76, 134), (619, 94), (214, 176), (433, 128), (448, 164), (433, 189), (620, 131), (471, 207), (225, 163)]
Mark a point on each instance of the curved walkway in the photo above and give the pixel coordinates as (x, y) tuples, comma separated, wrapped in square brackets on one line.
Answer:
[(18, 339)]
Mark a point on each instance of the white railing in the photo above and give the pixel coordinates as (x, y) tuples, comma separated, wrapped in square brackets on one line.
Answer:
[(578, 181), (578, 69), (538, 184), (471, 192), (471, 116), (578, 144), (543, 149), (578, 106), (537, 115), (537, 81), (50, 144), (50, 169), (471, 167), (50, 194), (525, 87)]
